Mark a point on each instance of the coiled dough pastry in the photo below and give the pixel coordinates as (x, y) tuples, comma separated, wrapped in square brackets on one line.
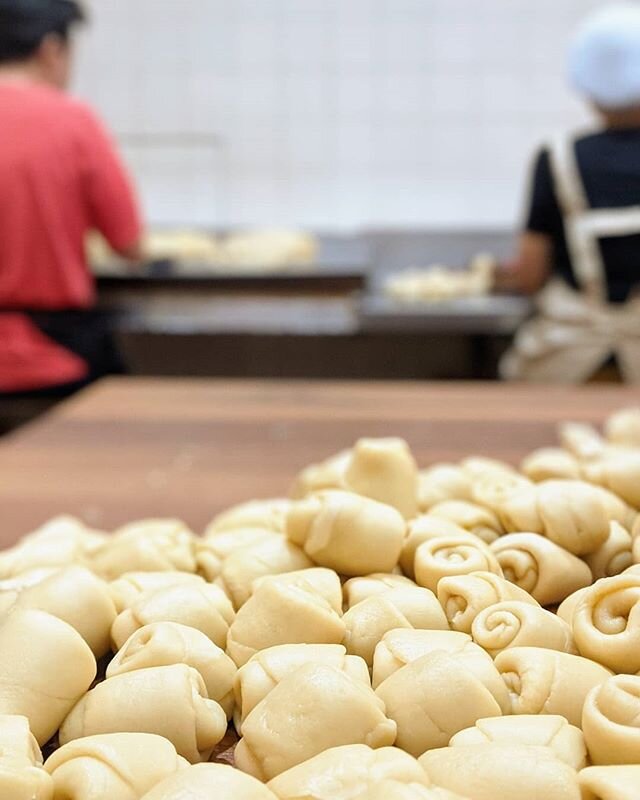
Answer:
[(278, 613), (442, 482), (475, 519), (568, 605), (348, 772), (619, 472), (452, 555), (21, 773), (162, 644), (610, 783), (202, 606), (355, 590), (565, 741), (315, 708), (126, 589), (262, 673), (437, 695), (623, 427), (45, 668), (404, 607), (168, 701), (502, 772), (120, 766), (548, 682), (320, 580), (544, 569), (615, 554), (548, 463), (606, 623), (463, 597), (516, 624), (221, 544), (210, 782), (423, 529), (611, 721), (581, 440), (153, 545), (348, 533), (267, 514), (327, 474)]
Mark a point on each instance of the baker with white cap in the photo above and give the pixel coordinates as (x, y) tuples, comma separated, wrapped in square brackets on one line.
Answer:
[(581, 245)]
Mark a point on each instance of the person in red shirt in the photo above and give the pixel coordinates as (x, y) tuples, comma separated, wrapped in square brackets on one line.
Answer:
[(60, 177)]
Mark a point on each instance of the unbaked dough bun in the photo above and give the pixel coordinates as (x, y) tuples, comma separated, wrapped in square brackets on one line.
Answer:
[(544, 569), (548, 463), (266, 514), (623, 427), (516, 624), (168, 701), (502, 772), (611, 721), (606, 623), (452, 555), (568, 606), (355, 590), (348, 533), (423, 529), (548, 682), (437, 695), (152, 545), (610, 783), (404, 607), (581, 440), (268, 668), (162, 644), (327, 474), (118, 766), (126, 589), (463, 597), (614, 556), (619, 472), (21, 773), (222, 544), (202, 606), (475, 519), (320, 580), (565, 741), (347, 772), (442, 482), (478, 467), (45, 668), (393, 790), (313, 709), (278, 613), (210, 782)]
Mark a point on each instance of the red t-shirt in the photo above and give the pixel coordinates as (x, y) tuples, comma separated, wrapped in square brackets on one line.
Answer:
[(60, 177)]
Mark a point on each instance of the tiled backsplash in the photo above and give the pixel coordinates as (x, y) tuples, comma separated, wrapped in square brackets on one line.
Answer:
[(331, 113)]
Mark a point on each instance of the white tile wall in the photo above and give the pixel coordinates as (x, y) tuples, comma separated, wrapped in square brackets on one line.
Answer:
[(332, 113)]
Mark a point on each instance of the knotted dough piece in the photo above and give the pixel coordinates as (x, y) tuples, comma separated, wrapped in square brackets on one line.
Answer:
[(606, 623), (320, 580), (565, 741), (315, 708), (262, 673), (443, 482), (548, 682), (21, 773), (120, 766), (615, 554), (168, 701), (202, 606), (502, 772), (348, 533), (423, 529), (516, 624), (278, 613), (266, 514), (623, 427), (45, 668), (463, 597), (162, 644), (540, 567), (126, 589), (355, 590), (619, 472), (210, 782), (348, 772), (445, 556), (610, 783), (475, 519), (611, 721), (548, 463)]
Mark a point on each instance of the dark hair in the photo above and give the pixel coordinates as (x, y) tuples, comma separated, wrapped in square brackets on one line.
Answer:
[(25, 23)]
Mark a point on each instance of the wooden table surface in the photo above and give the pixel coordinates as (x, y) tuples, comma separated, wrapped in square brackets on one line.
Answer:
[(133, 448)]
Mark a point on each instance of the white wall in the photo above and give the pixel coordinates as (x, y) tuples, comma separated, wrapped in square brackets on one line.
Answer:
[(331, 113)]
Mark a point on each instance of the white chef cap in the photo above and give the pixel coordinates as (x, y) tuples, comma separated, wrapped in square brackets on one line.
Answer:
[(604, 60)]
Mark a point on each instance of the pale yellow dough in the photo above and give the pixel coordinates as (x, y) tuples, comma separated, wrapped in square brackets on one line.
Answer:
[(355, 590), (202, 606), (611, 721), (615, 554), (162, 644), (475, 519), (549, 463), (581, 440), (264, 514), (45, 668), (327, 474), (347, 773), (403, 607), (442, 482), (623, 427), (210, 782), (126, 589), (502, 772), (168, 701), (452, 555), (348, 533), (319, 580), (21, 773), (269, 667), (565, 741), (619, 472), (606, 623), (424, 529), (568, 606), (610, 783), (540, 567), (117, 766), (463, 597), (548, 682), (278, 613), (516, 624), (392, 790), (315, 708), (437, 695)]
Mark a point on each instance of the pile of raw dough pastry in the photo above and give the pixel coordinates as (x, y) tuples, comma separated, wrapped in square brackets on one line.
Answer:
[(438, 283), (383, 633)]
